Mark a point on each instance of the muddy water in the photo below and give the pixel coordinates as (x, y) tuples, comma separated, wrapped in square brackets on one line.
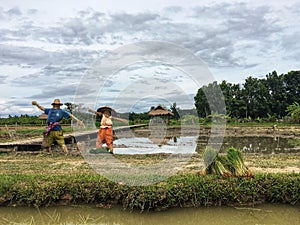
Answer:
[(258, 144), (263, 214), (140, 142)]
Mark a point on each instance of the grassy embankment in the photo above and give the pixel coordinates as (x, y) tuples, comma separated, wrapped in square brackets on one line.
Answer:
[(43, 180), (184, 190)]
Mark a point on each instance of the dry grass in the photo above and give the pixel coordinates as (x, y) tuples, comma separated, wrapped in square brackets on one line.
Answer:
[(60, 164)]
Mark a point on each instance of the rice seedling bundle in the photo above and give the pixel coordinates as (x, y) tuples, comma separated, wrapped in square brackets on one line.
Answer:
[(231, 164)]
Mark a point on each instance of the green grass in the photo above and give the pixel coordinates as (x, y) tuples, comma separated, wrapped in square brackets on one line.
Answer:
[(44, 180), (182, 190)]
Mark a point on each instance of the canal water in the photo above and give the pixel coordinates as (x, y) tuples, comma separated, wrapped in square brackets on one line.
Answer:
[(267, 214)]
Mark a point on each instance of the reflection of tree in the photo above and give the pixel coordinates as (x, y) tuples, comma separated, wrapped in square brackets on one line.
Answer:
[(264, 145)]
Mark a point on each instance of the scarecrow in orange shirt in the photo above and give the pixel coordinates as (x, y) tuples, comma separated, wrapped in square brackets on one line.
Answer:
[(105, 133)]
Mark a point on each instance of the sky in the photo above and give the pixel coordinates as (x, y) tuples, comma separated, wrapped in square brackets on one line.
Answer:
[(132, 54)]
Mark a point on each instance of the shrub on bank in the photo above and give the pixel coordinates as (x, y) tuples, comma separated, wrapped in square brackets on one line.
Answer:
[(182, 190)]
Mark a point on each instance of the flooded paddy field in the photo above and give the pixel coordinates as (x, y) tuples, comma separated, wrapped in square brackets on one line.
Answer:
[(264, 151)]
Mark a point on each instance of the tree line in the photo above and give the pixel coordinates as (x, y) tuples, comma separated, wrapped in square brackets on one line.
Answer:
[(273, 97), (269, 97), (26, 120)]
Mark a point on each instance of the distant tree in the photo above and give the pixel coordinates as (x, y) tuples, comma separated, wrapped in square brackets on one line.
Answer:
[(174, 110), (201, 103), (292, 86), (209, 100), (152, 107), (71, 107), (137, 117), (233, 99), (255, 95), (294, 111), (277, 94), (254, 99)]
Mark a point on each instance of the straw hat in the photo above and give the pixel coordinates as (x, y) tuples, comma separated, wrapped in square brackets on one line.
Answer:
[(56, 102), (107, 108)]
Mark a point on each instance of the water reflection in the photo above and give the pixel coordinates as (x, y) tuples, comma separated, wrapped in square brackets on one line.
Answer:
[(142, 141), (257, 144), (176, 144), (144, 145), (263, 214)]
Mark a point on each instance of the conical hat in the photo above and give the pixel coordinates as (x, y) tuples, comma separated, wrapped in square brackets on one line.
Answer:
[(104, 108)]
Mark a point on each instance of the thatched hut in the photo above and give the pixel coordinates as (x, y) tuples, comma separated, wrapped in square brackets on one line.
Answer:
[(159, 120), (43, 116), (162, 112)]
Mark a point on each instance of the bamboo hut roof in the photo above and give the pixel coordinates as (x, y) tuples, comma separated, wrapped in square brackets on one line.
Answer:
[(43, 116), (160, 111)]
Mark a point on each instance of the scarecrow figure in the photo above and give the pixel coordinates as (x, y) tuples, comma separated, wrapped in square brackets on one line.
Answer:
[(54, 130), (105, 133)]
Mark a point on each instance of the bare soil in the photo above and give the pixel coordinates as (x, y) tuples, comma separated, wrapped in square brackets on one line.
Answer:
[(57, 163)]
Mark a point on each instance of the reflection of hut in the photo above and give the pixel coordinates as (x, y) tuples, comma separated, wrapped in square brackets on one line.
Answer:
[(161, 112), (160, 141)]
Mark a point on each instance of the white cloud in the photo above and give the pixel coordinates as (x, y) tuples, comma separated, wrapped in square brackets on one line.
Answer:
[(47, 46)]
